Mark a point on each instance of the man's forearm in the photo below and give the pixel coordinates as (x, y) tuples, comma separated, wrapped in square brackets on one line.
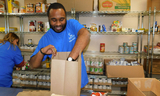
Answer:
[(36, 60), (81, 43)]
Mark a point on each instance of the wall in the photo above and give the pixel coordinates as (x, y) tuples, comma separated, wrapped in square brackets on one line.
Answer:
[(111, 41)]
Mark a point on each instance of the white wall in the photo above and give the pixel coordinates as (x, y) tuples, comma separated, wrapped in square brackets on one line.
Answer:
[(111, 41)]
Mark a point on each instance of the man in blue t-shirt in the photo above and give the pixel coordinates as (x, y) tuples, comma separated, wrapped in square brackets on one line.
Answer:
[(65, 36)]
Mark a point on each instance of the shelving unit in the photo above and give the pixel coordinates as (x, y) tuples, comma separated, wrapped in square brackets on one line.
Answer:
[(108, 54)]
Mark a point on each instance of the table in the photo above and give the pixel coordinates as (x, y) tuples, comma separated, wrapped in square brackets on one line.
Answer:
[(4, 91)]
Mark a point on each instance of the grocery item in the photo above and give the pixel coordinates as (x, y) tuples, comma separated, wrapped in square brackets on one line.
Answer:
[(40, 7), (32, 25), (93, 27), (121, 49), (40, 26), (102, 47), (30, 8), (22, 9), (29, 41)]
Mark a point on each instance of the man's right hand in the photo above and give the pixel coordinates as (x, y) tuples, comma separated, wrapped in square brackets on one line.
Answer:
[(50, 49)]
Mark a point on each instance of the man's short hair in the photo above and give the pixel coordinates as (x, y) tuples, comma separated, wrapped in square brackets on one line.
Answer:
[(55, 6)]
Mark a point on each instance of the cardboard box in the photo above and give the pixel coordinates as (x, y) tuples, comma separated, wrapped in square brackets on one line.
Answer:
[(33, 1), (68, 4), (114, 5), (79, 5), (143, 86), (152, 4), (155, 66), (124, 71), (83, 5), (65, 75)]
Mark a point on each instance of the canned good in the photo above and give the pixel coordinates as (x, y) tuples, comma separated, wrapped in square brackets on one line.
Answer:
[(121, 49), (134, 43), (131, 49), (125, 44), (134, 48), (91, 69), (102, 47), (96, 70), (100, 70), (29, 41), (126, 50)]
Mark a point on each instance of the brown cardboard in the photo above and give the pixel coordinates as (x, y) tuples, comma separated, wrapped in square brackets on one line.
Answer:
[(37, 93), (152, 4), (124, 71), (137, 86), (83, 5), (155, 66), (33, 1), (79, 5), (114, 5), (65, 75), (68, 4)]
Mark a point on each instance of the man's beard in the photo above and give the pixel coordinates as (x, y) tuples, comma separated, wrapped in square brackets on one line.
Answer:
[(63, 27)]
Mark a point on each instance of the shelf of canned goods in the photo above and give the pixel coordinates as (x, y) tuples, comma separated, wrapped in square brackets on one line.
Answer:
[(40, 78)]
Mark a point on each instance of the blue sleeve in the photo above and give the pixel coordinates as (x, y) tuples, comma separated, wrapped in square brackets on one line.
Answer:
[(41, 44), (18, 56), (77, 26)]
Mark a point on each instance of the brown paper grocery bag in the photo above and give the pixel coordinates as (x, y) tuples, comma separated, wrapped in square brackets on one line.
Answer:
[(65, 75)]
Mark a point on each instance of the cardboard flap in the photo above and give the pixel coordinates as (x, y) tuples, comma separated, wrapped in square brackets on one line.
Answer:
[(156, 87), (132, 90), (125, 71), (61, 55), (139, 86)]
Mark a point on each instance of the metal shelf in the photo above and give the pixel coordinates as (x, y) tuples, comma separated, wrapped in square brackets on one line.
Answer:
[(114, 33), (18, 32), (110, 54), (1, 32), (26, 53)]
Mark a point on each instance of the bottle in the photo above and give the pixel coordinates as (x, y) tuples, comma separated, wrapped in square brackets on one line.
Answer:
[(48, 63), (156, 26)]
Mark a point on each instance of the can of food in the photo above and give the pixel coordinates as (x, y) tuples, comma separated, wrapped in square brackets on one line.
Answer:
[(134, 48), (125, 44), (29, 41), (131, 49), (96, 70), (100, 70), (121, 49), (134, 43), (126, 49), (102, 47), (91, 69)]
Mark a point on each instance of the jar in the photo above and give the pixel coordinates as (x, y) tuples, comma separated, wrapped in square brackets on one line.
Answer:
[(102, 47), (40, 26), (32, 26)]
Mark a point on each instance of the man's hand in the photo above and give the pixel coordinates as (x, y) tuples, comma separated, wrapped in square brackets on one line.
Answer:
[(50, 49)]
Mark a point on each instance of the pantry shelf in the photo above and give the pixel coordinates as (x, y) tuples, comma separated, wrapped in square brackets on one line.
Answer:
[(114, 33), (110, 54)]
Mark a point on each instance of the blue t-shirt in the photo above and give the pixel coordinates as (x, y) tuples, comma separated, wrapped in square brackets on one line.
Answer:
[(64, 42), (9, 57)]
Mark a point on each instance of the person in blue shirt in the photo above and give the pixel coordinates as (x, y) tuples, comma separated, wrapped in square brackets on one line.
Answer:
[(10, 56), (64, 35)]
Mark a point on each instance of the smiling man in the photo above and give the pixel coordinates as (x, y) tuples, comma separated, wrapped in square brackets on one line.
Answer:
[(64, 36)]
